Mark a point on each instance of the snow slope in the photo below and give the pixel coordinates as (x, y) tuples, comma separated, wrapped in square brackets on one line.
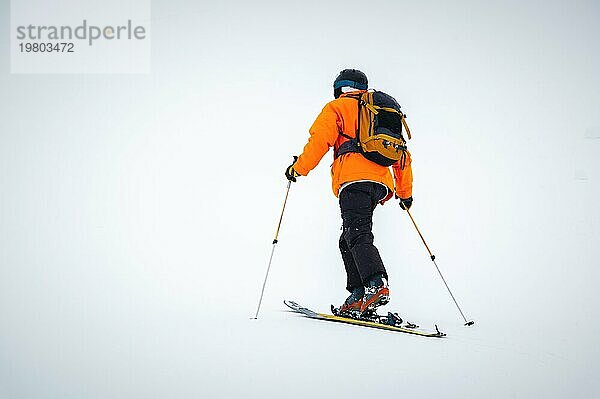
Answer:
[(132, 252)]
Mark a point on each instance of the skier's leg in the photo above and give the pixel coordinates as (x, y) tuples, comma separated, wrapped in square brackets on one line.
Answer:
[(357, 202), (353, 279)]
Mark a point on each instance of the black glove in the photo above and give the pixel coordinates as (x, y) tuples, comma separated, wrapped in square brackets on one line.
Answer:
[(406, 203), (290, 173)]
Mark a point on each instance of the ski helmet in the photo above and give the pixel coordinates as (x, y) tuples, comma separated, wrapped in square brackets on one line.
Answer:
[(351, 78)]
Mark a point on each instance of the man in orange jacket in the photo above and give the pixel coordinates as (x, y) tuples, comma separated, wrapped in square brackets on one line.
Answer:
[(360, 185)]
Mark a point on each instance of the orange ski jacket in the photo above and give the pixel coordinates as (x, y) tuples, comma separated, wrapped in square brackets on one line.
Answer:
[(341, 115)]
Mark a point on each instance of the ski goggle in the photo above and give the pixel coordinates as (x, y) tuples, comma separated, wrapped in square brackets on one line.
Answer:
[(351, 83)]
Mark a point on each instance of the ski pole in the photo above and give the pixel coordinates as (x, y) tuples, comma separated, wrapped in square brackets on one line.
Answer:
[(467, 323), (273, 249)]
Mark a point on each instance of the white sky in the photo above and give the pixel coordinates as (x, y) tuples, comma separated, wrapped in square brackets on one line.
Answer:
[(137, 211)]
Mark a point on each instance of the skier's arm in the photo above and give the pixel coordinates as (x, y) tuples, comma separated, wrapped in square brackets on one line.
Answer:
[(403, 177), (323, 134)]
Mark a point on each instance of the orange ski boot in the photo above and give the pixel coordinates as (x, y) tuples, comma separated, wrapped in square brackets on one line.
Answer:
[(377, 294), (353, 304)]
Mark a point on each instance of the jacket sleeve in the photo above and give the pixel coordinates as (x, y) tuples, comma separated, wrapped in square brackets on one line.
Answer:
[(403, 177), (323, 134)]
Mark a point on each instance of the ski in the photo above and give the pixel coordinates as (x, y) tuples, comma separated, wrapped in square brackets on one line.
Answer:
[(391, 322)]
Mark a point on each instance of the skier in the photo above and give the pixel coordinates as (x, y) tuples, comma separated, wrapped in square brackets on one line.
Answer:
[(360, 185)]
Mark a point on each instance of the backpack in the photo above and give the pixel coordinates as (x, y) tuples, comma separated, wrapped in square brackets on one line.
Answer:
[(379, 134)]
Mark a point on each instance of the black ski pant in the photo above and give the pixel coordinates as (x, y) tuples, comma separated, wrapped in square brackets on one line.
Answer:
[(361, 258)]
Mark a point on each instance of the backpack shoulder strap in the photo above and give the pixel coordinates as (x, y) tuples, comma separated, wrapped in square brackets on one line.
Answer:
[(357, 97), (352, 144)]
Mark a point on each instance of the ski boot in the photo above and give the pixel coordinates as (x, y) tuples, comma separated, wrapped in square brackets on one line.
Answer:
[(377, 294), (353, 304)]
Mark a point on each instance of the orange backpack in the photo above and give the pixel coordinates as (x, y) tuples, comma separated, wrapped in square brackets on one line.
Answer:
[(379, 134)]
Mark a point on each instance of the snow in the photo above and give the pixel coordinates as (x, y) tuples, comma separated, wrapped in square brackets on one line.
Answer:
[(134, 240)]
